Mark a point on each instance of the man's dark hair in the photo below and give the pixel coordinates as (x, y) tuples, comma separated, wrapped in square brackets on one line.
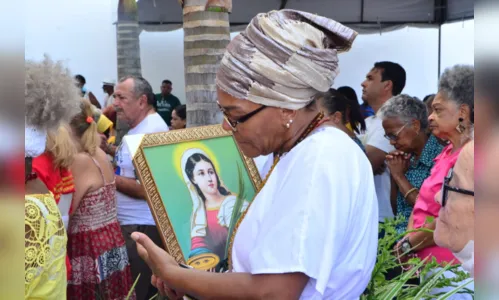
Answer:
[(166, 81), (393, 72), (81, 79)]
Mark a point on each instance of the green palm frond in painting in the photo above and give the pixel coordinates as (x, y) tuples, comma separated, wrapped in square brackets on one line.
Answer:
[(237, 210)]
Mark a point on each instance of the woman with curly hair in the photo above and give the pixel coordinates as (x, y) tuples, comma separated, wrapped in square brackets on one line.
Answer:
[(50, 99), (99, 259)]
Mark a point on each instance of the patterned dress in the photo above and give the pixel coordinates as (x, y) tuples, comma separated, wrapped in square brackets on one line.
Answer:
[(96, 247), (416, 175)]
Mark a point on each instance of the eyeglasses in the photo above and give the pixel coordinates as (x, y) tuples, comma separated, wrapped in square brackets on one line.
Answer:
[(394, 137), (446, 188), (246, 117)]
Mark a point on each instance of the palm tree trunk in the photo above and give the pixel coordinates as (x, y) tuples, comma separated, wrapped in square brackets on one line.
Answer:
[(128, 48), (206, 35)]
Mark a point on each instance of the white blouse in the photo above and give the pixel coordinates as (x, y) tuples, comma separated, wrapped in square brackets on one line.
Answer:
[(318, 215)]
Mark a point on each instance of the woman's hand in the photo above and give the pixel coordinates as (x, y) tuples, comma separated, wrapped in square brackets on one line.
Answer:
[(398, 163), (164, 290), (160, 262), (403, 257)]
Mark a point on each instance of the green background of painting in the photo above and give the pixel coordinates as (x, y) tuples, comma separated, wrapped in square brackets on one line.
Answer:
[(174, 192)]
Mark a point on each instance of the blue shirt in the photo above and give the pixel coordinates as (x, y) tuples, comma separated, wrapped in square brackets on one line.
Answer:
[(416, 175), (366, 110)]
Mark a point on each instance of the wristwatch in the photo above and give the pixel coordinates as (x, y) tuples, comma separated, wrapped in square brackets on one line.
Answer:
[(406, 246)]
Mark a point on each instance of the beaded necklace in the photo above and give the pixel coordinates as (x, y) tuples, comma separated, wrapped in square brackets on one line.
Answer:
[(316, 122)]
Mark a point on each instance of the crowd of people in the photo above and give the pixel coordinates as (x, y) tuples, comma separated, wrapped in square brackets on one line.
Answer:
[(333, 170)]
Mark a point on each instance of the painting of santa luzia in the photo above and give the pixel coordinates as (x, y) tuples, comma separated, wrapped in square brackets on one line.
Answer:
[(203, 186)]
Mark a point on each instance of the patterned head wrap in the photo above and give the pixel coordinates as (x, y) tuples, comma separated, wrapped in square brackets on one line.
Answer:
[(284, 58)]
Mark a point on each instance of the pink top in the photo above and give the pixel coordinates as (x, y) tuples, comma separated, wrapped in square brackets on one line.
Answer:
[(216, 239), (426, 206)]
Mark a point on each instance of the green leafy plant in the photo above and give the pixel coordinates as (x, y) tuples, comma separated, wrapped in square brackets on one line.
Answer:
[(380, 288)]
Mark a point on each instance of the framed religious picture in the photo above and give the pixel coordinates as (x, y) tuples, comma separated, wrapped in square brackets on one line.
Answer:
[(197, 183)]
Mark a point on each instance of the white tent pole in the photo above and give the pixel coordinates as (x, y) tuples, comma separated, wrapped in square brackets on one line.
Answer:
[(439, 50)]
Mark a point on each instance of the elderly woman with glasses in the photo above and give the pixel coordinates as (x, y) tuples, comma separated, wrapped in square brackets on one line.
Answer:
[(405, 120), (295, 240), (452, 120), (455, 228)]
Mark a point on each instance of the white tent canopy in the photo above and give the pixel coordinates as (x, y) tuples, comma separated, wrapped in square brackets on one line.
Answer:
[(372, 14)]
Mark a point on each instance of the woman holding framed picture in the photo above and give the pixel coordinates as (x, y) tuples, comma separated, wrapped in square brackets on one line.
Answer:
[(311, 231)]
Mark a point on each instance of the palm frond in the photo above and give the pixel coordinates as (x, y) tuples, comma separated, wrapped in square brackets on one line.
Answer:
[(237, 210), (130, 293), (398, 288), (455, 291)]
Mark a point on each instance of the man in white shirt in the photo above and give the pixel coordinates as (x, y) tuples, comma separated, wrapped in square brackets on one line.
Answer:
[(133, 101), (108, 88), (385, 80)]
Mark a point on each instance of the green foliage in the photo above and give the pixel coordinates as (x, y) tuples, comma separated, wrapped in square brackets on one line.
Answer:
[(237, 210), (379, 288)]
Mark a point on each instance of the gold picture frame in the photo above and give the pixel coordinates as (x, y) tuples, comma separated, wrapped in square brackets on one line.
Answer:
[(145, 174)]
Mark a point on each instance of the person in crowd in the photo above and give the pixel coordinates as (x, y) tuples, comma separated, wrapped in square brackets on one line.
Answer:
[(108, 88), (133, 102), (455, 228), (166, 101), (84, 92), (428, 100), (342, 112), (110, 114), (350, 93), (179, 117), (452, 119), (52, 167), (96, 246), (266, 94), (105, 127), (405, 121), (50, 99), (384, 80)]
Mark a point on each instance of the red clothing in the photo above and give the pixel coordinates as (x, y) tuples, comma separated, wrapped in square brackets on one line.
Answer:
[(59, 182), (426, 206), (216, 235), (12, 173)]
